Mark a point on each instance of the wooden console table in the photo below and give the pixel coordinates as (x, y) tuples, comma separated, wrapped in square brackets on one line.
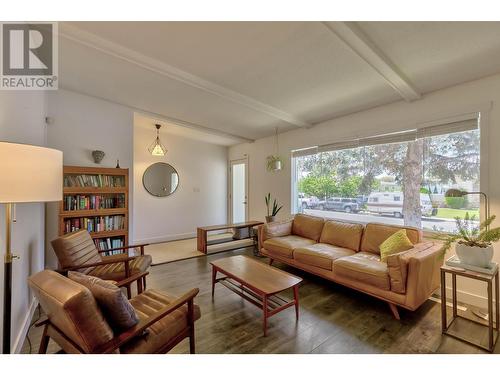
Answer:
[(203, 231)]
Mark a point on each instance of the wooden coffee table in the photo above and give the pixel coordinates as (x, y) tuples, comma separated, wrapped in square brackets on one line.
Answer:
[(258, 283)]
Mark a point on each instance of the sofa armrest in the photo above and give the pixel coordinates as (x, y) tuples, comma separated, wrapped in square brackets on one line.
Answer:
[(423, 275)]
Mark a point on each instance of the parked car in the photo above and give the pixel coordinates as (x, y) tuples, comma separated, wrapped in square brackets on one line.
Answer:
[(342, 204), (391, 203), (308, 202)]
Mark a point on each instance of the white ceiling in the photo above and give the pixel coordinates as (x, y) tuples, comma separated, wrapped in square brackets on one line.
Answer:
[(243, 79)]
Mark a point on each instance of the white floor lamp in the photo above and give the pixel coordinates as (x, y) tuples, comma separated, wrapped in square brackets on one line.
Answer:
[(27, 174)]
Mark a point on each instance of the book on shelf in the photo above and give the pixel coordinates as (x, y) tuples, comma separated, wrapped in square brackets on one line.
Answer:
[(95, 224), (98, 180), (93, 202), (109, 244)]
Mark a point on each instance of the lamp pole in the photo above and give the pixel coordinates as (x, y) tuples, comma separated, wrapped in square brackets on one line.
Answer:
[(7, 292)]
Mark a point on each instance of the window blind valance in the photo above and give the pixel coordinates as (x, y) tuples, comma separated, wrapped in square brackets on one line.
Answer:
[(405, 136)]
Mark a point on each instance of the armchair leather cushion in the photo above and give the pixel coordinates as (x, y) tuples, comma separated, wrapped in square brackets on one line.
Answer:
[(71, 308), (166, 329), (75, 249), (117, 310), (116, 271), (307, 226)]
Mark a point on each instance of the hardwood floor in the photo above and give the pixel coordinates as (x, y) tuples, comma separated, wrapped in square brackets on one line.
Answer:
[(333, 318)]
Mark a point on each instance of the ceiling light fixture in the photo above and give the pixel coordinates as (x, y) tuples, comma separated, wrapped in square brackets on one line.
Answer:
[(156, 148)]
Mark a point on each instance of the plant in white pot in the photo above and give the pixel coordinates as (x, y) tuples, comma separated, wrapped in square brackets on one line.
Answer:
[(474, 243), (271, 214)]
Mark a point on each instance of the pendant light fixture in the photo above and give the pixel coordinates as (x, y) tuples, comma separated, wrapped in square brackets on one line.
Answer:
[(156, 148), (274, 162)]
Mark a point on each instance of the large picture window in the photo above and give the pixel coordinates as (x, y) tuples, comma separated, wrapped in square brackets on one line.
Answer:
[(395, 179)]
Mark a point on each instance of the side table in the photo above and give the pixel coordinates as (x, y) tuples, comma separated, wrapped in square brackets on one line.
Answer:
[(450, 329)]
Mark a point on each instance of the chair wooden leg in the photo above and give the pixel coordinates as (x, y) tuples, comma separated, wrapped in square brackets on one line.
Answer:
[(144, 283), (191, 326), (139, 286), (394, 310), (44, 343), (129, 291), (271, 261)]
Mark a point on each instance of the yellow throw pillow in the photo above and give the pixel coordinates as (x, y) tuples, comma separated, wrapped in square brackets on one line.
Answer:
[(396, 243)]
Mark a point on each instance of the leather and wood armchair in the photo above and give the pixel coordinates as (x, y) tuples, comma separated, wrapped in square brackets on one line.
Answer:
[(77, 252), (76, 323)]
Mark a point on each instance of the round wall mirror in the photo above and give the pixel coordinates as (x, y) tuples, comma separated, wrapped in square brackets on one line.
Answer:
[(160, 179)]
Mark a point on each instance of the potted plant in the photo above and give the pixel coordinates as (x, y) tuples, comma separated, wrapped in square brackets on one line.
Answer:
[(473, 242), (271, 215)]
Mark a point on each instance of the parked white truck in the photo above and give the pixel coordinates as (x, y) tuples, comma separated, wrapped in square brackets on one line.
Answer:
[(391, 203)]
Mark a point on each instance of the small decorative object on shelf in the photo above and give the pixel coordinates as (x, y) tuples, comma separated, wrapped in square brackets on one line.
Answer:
[(474, 241), (98, 155), (117, 163), (271, 214), (96, 199)]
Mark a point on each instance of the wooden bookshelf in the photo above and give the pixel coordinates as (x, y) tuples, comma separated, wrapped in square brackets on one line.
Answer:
[(86, 187)]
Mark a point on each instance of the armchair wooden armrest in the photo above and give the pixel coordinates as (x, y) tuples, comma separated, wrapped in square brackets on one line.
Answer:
[(131, 279), (123, 248), (138, 329)]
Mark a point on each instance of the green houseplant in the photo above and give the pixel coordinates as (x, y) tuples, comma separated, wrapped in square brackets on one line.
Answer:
[(271, 211), (473, 242)]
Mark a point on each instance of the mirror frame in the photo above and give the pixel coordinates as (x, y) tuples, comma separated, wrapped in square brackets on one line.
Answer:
[(160, 196)]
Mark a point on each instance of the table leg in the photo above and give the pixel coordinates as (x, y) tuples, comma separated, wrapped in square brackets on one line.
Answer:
[(264, 308), (497, 302), (490, 315), (214, 279), (443, 302), (454, 294), (296, 298)]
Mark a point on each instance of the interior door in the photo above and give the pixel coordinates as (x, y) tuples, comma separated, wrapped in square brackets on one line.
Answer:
[(238, 196)]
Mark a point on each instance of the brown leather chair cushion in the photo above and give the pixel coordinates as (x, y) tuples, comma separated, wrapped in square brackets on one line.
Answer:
[(363, 267), (116, 271), (320, 255), (284, 246), (374, 234), (308, 226), (117, 310), (342, 234), (160, 333), (74, 249), (72, 308), (397, 266)]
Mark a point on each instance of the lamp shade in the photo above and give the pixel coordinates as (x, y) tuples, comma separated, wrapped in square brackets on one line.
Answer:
[(30, 173)]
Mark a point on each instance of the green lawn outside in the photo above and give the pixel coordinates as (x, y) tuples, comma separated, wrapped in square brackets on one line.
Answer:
[(451, 213)]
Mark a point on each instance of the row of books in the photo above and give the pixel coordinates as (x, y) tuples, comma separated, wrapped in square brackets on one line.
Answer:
[(95, 224), (110, 243), (95, 180), (93, 202)]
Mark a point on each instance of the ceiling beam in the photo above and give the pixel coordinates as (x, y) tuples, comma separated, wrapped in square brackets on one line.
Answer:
[(351, 34), (118, 51)]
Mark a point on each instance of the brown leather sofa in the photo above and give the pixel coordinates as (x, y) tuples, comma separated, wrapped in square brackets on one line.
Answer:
[(348, 253)]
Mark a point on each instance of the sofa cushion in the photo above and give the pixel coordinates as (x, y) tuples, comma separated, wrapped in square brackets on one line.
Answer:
[(364, 267), (308, 226), (284, 246), (397, 266), (374, 234), (396, 243), (320, 255), (278, 229), (342, 234)]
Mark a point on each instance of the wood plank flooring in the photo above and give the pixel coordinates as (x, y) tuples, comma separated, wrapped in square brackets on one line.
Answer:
[(333, 318)]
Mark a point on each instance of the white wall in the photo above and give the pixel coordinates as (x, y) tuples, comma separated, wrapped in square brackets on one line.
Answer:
[(80, 124), (200, 199), (480, 95), (22, 121)]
